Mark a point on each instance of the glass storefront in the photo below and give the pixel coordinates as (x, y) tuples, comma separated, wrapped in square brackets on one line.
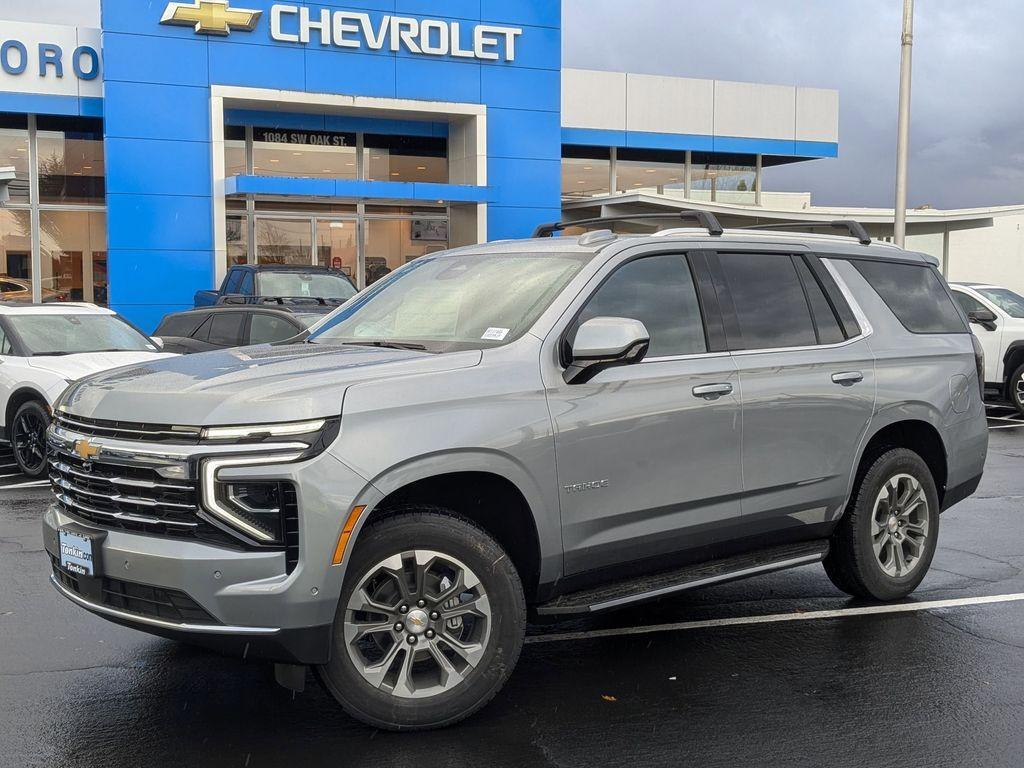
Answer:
[(714, 173), (305, 154), (405, 158), (59, 162), (366, 242)]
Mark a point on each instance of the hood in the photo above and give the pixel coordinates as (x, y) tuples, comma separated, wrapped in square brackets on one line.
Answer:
[(75, 367), (248, 385)]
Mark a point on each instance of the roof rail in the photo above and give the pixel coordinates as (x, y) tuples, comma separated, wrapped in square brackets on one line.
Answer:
[(703, 218), (855, 228)]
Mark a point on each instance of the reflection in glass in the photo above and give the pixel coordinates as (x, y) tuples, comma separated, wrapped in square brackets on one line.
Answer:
[(406, 158), (15, 256), (585, 172), (390, 243), (283, 241), (73, 246), (716, 173), (14, 152), (238, 241), (71, 163), (305, 154)]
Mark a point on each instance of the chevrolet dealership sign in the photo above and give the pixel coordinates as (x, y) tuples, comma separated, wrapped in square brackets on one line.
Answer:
[(352, 29)]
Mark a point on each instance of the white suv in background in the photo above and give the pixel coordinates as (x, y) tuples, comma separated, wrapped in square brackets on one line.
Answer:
[(997, 319), (45, 347)]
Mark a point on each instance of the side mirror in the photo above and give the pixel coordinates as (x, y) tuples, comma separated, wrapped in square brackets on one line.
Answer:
[(986, 318), (157, 341), (604, 342)]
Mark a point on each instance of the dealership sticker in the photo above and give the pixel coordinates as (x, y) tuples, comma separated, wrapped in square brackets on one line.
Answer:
[(495, 334)]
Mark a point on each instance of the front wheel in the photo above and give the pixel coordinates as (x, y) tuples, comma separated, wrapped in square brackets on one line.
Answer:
[(883, 546), (28, 438), (429, 625)]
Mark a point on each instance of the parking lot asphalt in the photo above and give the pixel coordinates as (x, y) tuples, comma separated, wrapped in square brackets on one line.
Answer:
[(780, 670)]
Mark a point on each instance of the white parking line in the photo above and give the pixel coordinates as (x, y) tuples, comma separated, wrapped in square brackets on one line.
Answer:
[(776, 618)]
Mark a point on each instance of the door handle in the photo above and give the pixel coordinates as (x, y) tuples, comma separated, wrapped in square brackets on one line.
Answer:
[(712, 391), (847, 378)]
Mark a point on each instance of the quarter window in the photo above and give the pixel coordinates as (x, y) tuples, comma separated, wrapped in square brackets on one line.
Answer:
[(914, 294), (826, 324), (769, 300), (659, 292)]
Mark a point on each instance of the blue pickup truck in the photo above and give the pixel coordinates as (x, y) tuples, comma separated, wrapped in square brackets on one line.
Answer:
[(311, 288)]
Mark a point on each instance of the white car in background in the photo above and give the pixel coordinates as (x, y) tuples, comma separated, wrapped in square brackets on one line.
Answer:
[(997, 319), (45, 347)]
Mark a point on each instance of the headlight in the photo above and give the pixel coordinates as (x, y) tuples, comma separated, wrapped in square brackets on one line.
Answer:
[(253, 507), (261, 431)]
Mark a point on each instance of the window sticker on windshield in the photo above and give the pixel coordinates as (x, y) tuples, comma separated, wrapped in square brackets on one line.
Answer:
[(495, 334)]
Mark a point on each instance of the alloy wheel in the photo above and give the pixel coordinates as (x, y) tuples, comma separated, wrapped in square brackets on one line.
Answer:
[(899, 525), (417, 624), (29, 440)]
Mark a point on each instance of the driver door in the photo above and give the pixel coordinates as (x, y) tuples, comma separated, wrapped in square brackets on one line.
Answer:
[(991, 339), (648, 454)]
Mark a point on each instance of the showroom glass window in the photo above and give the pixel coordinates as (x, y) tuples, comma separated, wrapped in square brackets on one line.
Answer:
[(65, 257), (405, 158), (637, 170), (305, 154), (586, 172), (720, 177)]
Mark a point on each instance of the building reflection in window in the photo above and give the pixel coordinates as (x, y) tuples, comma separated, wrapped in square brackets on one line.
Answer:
[(714, 174), (637, 170), (15, 255)]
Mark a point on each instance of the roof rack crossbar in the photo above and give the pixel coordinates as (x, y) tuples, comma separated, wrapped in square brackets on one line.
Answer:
[(855, 228), (703, 218)]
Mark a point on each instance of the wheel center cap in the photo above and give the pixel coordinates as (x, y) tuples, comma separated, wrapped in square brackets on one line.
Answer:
[(893, 524), (416, 621)]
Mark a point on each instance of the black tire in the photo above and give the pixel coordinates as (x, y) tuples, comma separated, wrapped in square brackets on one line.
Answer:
[(441, 531), (28, 438), (852, 564), (1015, 390)]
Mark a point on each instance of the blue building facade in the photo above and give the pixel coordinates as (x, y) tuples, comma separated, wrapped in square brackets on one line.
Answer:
[(356, 134)]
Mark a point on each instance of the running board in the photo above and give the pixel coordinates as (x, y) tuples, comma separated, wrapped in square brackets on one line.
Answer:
[(664, 583)]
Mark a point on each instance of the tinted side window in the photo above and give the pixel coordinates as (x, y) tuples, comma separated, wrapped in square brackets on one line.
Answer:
[(233, 281), (769, 300), (179, 325), (968, 303), (226, 329), (914, 294), (659, 292), (246, 288), (266, 328), (825, 321)]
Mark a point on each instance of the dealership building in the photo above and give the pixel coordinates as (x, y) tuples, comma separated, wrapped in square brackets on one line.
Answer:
[(182, 137)]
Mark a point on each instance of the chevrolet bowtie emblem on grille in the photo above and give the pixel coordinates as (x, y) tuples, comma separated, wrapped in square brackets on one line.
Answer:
[(86, 450), (210, 17)]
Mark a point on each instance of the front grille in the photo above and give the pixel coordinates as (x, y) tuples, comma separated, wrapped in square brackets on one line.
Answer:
[(129, 498), (129, 430), (141, 599)]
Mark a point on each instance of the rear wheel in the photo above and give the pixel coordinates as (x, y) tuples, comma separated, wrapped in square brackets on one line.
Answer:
[(430, 623), (884, 545), (1015, 389), (28, 437)]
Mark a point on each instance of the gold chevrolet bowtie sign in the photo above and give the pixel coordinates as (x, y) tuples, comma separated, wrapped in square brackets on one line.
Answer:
[(86, 450), (210, 17)]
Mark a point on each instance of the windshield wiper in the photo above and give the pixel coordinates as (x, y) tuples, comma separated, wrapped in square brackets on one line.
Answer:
[(52, 354), (386, 343)]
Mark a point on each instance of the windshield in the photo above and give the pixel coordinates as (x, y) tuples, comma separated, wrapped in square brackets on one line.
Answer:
[(454, 302), (1011, 303), (317, 285), (51, 335)]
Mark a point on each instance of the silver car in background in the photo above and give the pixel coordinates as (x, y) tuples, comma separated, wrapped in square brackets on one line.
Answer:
[(548, 428)]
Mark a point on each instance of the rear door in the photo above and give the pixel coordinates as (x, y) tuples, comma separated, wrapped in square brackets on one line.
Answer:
[(807, 382), (648, 455)]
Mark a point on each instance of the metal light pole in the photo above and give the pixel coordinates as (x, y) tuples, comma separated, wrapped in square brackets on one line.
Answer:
[(903, 131)]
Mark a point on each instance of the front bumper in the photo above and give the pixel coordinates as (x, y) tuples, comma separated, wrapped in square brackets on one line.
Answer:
[(244, 601)]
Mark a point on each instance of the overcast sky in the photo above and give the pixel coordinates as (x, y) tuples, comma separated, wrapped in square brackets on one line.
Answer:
[(968, 110)]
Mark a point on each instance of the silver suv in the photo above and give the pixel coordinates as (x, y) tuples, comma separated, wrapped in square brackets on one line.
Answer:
[(545, 428)]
